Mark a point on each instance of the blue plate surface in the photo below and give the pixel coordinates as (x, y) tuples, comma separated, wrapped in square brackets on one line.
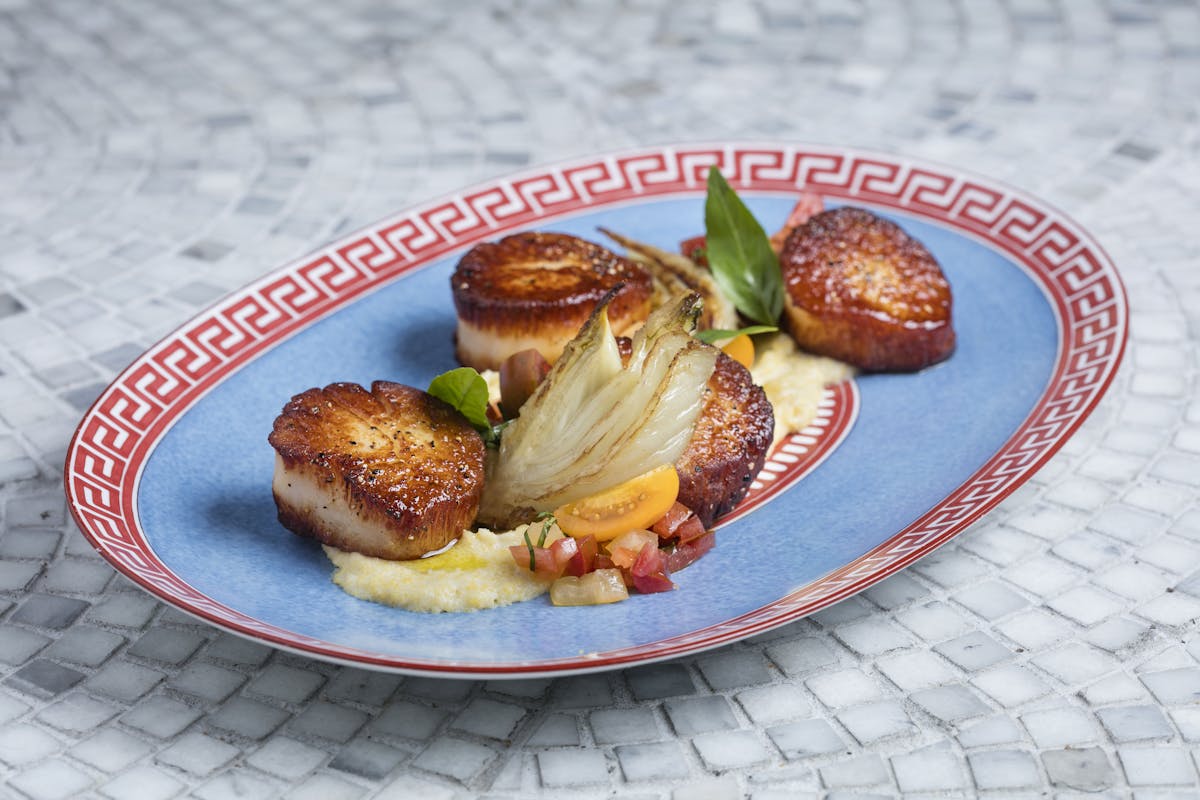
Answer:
[(205, 502)]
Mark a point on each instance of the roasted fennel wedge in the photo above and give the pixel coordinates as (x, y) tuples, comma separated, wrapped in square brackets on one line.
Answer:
[(594, 423), (672, 273)]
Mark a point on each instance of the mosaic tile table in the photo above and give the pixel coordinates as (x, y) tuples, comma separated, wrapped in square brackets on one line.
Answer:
[(155, 156)]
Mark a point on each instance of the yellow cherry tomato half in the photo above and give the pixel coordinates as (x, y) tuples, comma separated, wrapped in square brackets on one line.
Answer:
[(741, 349), (636, 503)]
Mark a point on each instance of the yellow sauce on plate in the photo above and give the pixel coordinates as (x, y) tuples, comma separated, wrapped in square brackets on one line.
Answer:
[(477, 572)]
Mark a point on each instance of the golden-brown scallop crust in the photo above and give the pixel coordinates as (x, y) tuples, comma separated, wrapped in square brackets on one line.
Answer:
[(404, 463), (729, 443), (543, 286), (861, 290)]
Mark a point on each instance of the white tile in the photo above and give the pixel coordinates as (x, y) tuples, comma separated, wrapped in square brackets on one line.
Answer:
[(874, 721), (21, 744), (807, 737), (488, 718), (1169, 553), (843, 688), (653, 761), (1135, 723), (1133, 581), (730, 749), (916, 669), (974, 651), (1187, 720), (1115, 688), (51, 780), (572, 767), (325, 787), (286, 758), (934, 622), (1172, 610), (692, 715), (1085, 769), (142, 783), (1035, 630), (1085, 605), (1074, 664), (1060, 727), (556, 729), (198, 754), (110, 750), (950, 703), (899, 590), (286, 684), (771, 704), (990, 600), (872, 637), (1157, 766), (1044, 576), (1011, 685), (1004, 769), (800, 656), (1117, 634), (1000, 729), (929, 770), (161, 716), (622, 725), (237, 784), (865, 770), (1174, 686)]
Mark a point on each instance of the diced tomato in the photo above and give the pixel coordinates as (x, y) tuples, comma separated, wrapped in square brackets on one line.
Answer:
[(625, 548), (544, 564), (670, 522), (584, 560), (692, 528), (601, 586), (564, 550), (649, 572), (685, 554), (603, 562), (636, 503), (680, 523), (695, 248)]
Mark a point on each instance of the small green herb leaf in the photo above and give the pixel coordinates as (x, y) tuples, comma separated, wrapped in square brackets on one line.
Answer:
[(717, 335), (467, 391), (491, 436), (740, 255), (529, 545)]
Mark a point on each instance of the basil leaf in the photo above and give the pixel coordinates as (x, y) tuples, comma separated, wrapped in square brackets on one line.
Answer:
[(718, 335), (740, 255), (467, 391)]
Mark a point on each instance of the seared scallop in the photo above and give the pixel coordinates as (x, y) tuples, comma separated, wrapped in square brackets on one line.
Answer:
[(861, 290), (729, 443), (392, 472), (535, 291)]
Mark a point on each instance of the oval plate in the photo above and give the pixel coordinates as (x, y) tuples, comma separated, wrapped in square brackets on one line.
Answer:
[(169, 472)]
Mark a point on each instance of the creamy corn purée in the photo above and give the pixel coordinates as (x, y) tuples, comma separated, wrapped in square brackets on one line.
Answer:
[(793, 380), (479, 571), (476, 572)]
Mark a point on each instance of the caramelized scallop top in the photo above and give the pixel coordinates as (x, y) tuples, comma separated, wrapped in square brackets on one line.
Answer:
[(397, 451), (528, 280), (862, 290)]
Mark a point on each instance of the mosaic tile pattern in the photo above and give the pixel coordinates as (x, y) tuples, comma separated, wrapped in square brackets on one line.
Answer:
[(155, 156)]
